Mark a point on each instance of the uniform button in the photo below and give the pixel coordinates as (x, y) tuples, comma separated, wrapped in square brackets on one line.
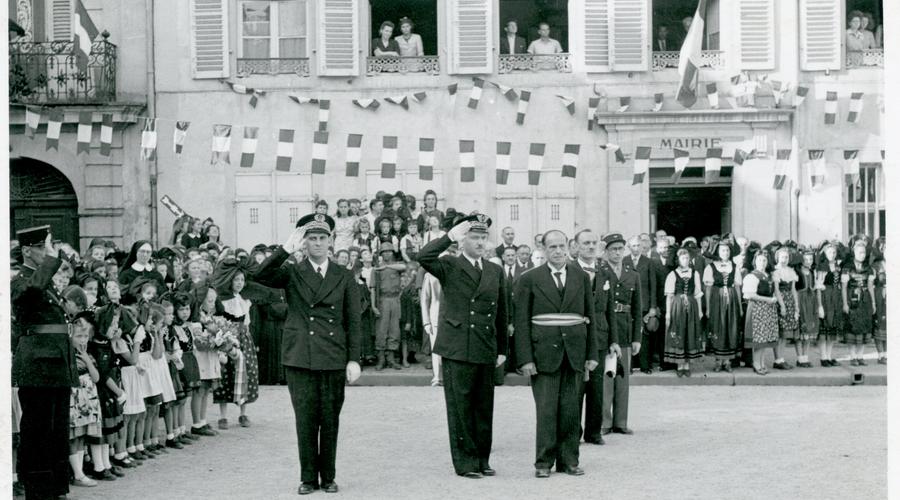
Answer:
[(311, 333), (471, 312), (331, 333), (332, 307), (471, 326), (473, 301), (564, 335), (331, 321)]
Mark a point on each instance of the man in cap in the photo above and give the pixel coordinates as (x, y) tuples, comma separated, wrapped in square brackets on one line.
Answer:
[(320, 346), (471, 339), (43, 368), (625, 325)]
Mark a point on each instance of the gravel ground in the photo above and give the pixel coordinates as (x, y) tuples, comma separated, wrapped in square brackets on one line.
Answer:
[(689, 443)]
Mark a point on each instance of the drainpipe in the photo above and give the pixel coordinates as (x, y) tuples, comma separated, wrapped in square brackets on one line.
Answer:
[(151, 112)]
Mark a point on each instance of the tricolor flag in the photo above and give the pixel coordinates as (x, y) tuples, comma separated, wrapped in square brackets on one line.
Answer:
[(466, 161), (85, 128), (800, 95), (816, 167), (426, 158), (570, 160), (367, 103), (782, 164), (299, 99), (508, 92), (389, 157), (243, 89), (221, 145), (148, 139), (106, 132), (180, 134), (658, 101), (248, 146), (778, 90), (32, 120), (354, 154), (535, 163), (172, 206), (400, 100), (568, 102), (502, 162), (830, 107), (641, 164), (324, 108), (620, 156), (593, 104), (83, 34), (682, 158), (452, 89), (736, 79), (712, 94), (712, 165), (856, 105), (851, 166), (54, 125), (624, 104), (689, 58), (524, 98), (419, 96), (475, 96), (319, 150), (740, 156)]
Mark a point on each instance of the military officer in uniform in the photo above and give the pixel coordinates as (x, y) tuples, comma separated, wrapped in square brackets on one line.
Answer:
[(320, 346), (625, 326), (471, 339), (43, 368)]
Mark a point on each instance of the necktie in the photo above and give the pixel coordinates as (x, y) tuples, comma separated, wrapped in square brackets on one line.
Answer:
[(559, 283), (320, 273), (509, 272), (478, 266)]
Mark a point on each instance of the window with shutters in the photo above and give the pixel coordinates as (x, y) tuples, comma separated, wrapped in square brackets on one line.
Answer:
[(865, 202), (756, 34), (836, 34), (412, 24), (338, 37), (614, 35), (864, 33), (471, 36), (272, 37), (209, 38), (59, 19), (672, 20), (534, 36)]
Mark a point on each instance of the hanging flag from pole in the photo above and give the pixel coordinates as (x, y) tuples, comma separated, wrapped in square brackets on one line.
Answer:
[(452, 89), (568, 102), (535, 163), (740, 156), (502, 162), (524, 98), (508, 92), (800, 95), (180, 134), (324, 109), (400, 100), (778, 91), (816, 167), (782, 164), (830, 107), (148, 139), (85, 128), (389, 157), (641, 164), (371, 104), (593, 104), (426, 158), (106, 132), (54, 125), (83, 34), (682, 158), (624, 104), (851, 166), (248, 146), (466, 160), (620, 156), (419, 96), (354, 154), (32, 120), (689, 60), (319, 151), (658, 99), (475, 96), (712, 167), (856, 106), (712, 94), (221, 145), (570, 160), (299, 99)]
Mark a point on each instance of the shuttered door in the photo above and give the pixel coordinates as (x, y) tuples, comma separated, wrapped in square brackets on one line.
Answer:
[(338, 37), (59, 20), (596, 35), (821, 33), (209, 38), (471, 36), (757, 34), (629, 35)]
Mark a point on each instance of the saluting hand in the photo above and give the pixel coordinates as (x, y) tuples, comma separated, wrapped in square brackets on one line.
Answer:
[(458, 232), (50, 250)]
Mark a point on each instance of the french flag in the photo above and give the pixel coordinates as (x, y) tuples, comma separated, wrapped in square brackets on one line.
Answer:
[(84, 33), (689, 59)]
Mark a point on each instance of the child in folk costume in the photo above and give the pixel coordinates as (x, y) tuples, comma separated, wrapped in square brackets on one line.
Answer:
[(109, 389), (156, 381), (858, 291), (84, 404), (189, 374), (684, 328), (761, 322), (723, 283), (828, 277), (207, 360), (173, 355), (809, 301), (411, 243), (785, 279), (881, 309)]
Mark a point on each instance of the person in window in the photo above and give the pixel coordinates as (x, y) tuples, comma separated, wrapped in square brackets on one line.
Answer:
[(866, 23), (855, 39), (385, 46), (409, 43), (544, 45), (663, 42), (513, 43)]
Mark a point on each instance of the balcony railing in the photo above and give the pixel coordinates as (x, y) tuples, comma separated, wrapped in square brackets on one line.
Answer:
[(508, 63), (48, 72), (273, 66), (414, 64), (865, 58), (714, 59)]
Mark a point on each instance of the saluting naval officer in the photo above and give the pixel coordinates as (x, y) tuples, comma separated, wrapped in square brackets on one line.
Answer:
[(320, 345), (625, 326), (471, 339), (557, 347)]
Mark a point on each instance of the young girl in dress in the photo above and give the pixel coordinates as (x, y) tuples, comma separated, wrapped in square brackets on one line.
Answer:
[(684, 327), (109, 389), (173, 356), (189, 373), (367, 317), (785, 279), (84, 406), (386, 235), (881, 309), (364, 237), (809, 299), (207, 362), (761, 324), (723, 283), (858, 291), (411, 243), (828, 281), (151, 317)]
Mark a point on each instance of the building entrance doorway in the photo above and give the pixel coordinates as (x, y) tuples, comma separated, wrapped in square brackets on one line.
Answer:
[(696, 211), (40, 194)]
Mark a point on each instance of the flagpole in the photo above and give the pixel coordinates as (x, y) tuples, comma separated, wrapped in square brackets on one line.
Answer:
[(151, 112)]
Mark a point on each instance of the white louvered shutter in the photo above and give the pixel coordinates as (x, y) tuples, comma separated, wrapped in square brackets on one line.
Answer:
[(596, 35), (821, 35), (59, 20), (209, 39), (471, 36), (338, 38), (630, 35), (757, 34)]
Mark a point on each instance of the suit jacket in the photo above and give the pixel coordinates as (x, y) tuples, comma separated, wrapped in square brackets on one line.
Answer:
[(536, 293), (670, 45), (648, 281), (661, 271), (625, 290), (321, 331), (520, 46), (501, 247), (473, 318)]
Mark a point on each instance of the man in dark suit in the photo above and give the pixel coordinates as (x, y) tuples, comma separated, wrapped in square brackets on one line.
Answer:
[(511, 273), (557, 347), (509, 235), (472, 340), (523, 259), (641, 264), (662, 263), (663, 41), (512, 43), (625, 321), (320, 346)]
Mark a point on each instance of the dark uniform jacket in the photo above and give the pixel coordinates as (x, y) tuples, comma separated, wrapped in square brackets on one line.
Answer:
[(473, 319), (602, 300), (625, 292), (648, 280), (321, 331), (536, 293), (40, 359)]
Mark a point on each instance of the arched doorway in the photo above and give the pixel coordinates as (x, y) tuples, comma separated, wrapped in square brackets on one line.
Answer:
[(40, 194)]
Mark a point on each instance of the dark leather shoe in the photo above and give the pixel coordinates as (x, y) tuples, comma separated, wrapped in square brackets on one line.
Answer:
[(646, 371), (306, 489), (604, 432), (574, 471), (472, 475), (542, 473), (488, 472), (331, 487), (622, 430), (598, 441), (782, 366)]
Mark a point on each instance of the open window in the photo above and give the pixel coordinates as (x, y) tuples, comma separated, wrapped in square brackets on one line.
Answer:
[(837, 34), (272, 37), (671, 21), (404, 37), (534, 35), (864, 33)]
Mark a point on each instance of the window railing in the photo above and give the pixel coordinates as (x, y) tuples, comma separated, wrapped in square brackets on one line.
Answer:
[(508, 63), (392, 64), (49, 72), (273, 66), (714, 59), (865, 58)]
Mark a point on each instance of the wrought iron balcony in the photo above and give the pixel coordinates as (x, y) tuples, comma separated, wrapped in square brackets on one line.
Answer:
[(391, 64), (273, 66), (48, 72), (508, 63), (714, 59), (865, 58)]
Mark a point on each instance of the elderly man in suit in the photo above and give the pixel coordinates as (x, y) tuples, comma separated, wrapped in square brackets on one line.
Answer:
[(509, 235), (641, 264), (320, 346), (471, 340), (556, 346), (662, 262), (512, 43)]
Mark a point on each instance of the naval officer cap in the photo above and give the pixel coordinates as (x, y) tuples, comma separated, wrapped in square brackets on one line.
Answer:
[(316, 223), (611, 238), (479, 223), (33, 236)]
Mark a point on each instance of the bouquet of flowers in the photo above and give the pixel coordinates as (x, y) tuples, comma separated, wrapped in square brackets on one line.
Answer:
[(224, 338)]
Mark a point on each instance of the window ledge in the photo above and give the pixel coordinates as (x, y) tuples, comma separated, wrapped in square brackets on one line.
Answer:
[(273, 66), (714, 59), (430, 65), (508, 63), (865, 59)]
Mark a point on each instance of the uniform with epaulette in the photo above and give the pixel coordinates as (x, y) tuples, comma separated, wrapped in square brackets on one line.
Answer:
[(43, 370)]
